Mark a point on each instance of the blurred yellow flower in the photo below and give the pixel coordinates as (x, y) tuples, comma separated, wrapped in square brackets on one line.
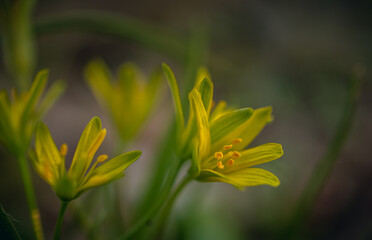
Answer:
[(20, 112), (215, 140), (50, 163), (129, 99)]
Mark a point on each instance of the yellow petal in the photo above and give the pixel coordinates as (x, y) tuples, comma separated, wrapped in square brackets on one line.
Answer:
[(254, 126), (201, 118), (248, 177), (111, 169), (32, 98), (225, 128), (47, 152), (257, 155), (205, 89), (218, 110), (98, 77), (51, 96), (129, 77), (81, 161), (201, 74)]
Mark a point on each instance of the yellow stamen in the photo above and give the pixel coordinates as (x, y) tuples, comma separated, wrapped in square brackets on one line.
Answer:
[(102, 158), (95, 145), (63, 150), (227, 147), (236, 155), (237, 140), (230, 162), (218, 155), (220, 165)]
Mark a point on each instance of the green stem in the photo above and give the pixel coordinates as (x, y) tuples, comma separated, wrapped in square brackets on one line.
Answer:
[(18, 40), (147, 216), (114, 25), (30, 196), (57, 230), (171, 201), (324, 167)]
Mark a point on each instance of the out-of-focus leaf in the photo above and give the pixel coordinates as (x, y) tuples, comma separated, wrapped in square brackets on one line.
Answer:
[(7, 229)]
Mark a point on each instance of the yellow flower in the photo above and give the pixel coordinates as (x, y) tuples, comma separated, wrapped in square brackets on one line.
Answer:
[(215, 140), (129, 90), (50, 163), (20, 112)]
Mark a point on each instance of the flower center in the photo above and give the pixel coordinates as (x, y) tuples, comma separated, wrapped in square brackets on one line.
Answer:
[(226, 157)]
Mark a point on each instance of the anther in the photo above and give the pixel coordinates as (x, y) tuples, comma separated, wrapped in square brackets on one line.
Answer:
[(218, 155), (102, 158), (236, 155), (230, 162), (227, 147), (220, 165), (237, 140), (63, 150)]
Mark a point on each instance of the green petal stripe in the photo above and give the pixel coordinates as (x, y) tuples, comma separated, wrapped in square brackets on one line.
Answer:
[(202, 123), (257, 155), (81, 161), (248, 177)]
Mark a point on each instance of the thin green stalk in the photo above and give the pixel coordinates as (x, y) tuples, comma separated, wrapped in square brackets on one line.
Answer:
[(114, 25), (165, 164), (149, 214), (18, 40), (30, 196), (324, 167), (57, 230), (168, 207)]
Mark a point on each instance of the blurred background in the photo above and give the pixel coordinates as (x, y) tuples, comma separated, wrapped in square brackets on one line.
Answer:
[(295, 56)]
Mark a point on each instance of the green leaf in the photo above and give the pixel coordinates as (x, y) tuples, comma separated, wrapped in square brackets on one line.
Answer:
[(223, 128), (247, 177), (7, 134), (180, 122), (202, 123), (7, 229), (81, 160)]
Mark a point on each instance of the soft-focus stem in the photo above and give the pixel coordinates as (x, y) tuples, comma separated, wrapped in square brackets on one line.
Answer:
[(324, 167), (17, 39), (30, 196), (149, 214), (57, 230), (114, 25), (168, 207)]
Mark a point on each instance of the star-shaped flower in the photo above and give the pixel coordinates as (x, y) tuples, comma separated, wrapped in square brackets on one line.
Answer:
[(216, 140), (20, 112), (130, 89), (50, 163)]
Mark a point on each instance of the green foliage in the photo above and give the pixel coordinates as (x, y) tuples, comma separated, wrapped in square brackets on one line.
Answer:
[(7, 229)]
